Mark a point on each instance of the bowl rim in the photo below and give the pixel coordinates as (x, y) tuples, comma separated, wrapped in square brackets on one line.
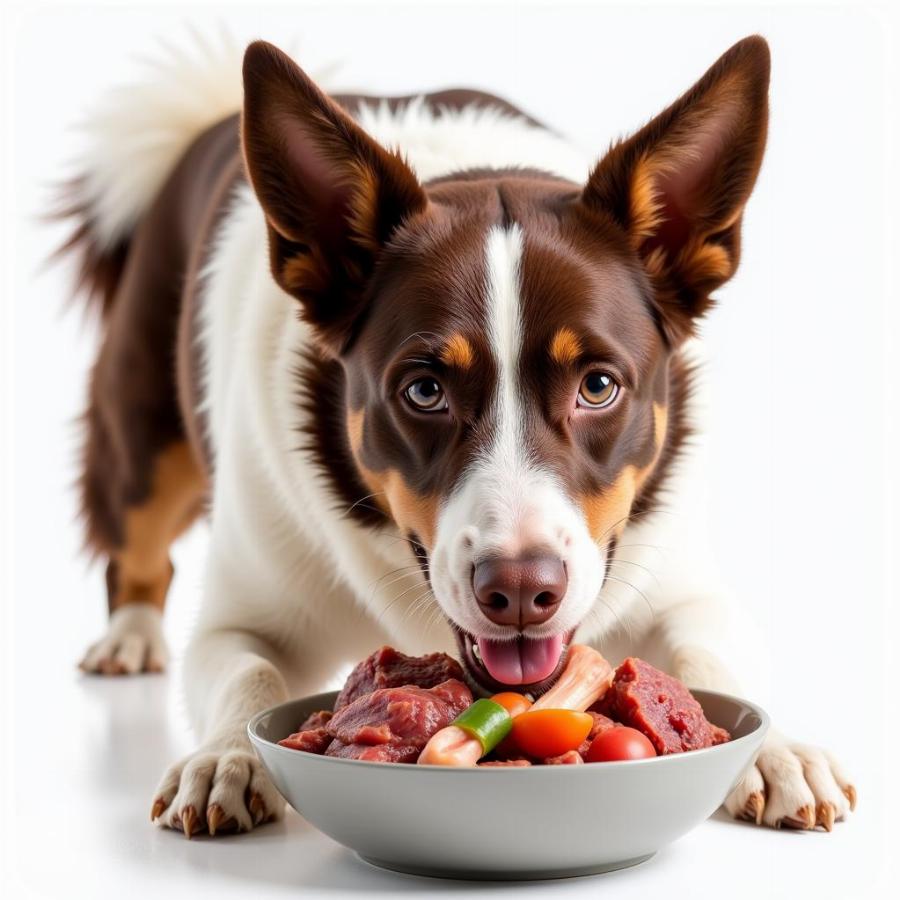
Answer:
[(667, 759)]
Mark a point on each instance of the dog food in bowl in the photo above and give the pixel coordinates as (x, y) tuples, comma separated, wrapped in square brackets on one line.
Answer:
[(396, 708)]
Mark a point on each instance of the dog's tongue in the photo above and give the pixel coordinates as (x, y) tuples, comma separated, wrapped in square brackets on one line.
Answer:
[(524, 661)]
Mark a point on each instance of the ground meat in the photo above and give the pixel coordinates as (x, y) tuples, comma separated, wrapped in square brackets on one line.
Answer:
[(501, 763), (399, 720), (661, 707), (387, 668), (569, 758), (601, 723)]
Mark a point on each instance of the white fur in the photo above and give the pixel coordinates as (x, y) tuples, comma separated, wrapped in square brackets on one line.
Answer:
[(294, 590), (133, 642), (137, 132), (437, 142)]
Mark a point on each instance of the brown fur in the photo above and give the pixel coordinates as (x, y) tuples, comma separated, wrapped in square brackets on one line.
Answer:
[(390, 272)]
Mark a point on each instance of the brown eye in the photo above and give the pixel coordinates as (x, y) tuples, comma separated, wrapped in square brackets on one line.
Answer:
[(426, 395), (598, 390)]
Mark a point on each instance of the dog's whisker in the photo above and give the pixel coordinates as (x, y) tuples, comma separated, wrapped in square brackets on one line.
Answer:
[(635, 589)]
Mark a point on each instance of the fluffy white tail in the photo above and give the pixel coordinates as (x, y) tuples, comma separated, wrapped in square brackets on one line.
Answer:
[(132, 140)]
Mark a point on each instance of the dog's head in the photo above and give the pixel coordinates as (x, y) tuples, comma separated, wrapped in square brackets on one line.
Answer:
[(506, 338)]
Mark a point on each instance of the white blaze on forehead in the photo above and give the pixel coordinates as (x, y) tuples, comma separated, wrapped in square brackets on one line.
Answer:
[(506, 503), (504, 259)]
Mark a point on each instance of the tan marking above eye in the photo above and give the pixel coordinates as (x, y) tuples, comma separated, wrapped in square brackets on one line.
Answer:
[(565, 346), (410, 511), (458, 352), (606, 512)]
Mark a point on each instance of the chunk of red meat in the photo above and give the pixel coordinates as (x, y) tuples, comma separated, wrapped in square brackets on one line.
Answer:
[(311, 736), (503, 763), (386, 753), (455, 694), (569, 758), (316, 720), (660, 707), (601, 723), (311, 740), (399, 717), (387, 668)]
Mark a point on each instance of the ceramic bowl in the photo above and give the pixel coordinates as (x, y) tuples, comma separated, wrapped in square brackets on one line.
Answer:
[(508, 823)]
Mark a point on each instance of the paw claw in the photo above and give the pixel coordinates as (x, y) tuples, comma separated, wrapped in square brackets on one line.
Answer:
[(804, 818), (159, 807), (257, 808), (189, 821), (756, 804), (850, 794), (218, 820), (825, 813)]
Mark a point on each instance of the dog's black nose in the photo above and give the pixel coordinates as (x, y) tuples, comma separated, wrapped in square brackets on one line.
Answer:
[(520, 592)]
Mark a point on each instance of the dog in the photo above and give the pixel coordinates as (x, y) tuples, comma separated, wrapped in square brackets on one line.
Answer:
[(434, 377)]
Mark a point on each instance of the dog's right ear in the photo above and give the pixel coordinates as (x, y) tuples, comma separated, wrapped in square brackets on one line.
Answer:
[(331, 194)]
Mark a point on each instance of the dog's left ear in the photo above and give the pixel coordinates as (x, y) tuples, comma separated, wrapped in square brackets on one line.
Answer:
[(679, 185), (331, 194)]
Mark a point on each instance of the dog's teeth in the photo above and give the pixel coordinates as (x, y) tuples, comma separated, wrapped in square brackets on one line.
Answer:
[(529, 697), (476, 652)]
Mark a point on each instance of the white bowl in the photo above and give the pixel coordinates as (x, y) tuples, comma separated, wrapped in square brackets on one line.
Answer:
[(508, 823)]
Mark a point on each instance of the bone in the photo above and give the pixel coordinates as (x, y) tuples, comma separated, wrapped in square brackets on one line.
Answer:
[(584, 680)]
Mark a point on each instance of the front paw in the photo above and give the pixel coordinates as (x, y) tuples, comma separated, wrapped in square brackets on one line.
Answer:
[(218, 790), (793, 786), (133, 643)]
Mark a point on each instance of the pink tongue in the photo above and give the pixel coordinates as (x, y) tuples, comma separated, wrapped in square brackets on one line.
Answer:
[(524, 661)]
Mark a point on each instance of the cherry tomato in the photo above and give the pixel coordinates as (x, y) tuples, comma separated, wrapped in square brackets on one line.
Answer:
[(512, 702), (550, 732), (619, 743)]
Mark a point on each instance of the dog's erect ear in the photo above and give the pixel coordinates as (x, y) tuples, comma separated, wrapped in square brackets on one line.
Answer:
[(331, 194), (679, 185)]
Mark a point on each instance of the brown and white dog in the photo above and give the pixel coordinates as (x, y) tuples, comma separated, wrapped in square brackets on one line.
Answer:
[(436, 392)]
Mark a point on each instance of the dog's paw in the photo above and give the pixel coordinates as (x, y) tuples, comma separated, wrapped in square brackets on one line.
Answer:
[(793, 786), (217, 791), (133, 643)]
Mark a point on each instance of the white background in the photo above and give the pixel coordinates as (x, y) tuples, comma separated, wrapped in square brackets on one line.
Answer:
[(801, 481)]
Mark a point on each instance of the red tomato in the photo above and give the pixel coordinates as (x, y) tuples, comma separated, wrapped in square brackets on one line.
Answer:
[(512, 702), (619, 743), (550, 732)]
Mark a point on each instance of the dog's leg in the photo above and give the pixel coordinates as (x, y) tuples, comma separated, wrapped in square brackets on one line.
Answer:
[(139, 570), (141, 486), (221, 787), (791, 784)]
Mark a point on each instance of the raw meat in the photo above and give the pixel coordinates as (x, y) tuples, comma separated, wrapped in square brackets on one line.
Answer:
[(312, 735), (569, 758), (398, 720), (660, 707), (503, 763), (601, 723), (387, 668)]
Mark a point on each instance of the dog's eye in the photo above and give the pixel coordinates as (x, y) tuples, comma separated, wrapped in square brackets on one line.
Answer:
[(598, 390), (427, 395)]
